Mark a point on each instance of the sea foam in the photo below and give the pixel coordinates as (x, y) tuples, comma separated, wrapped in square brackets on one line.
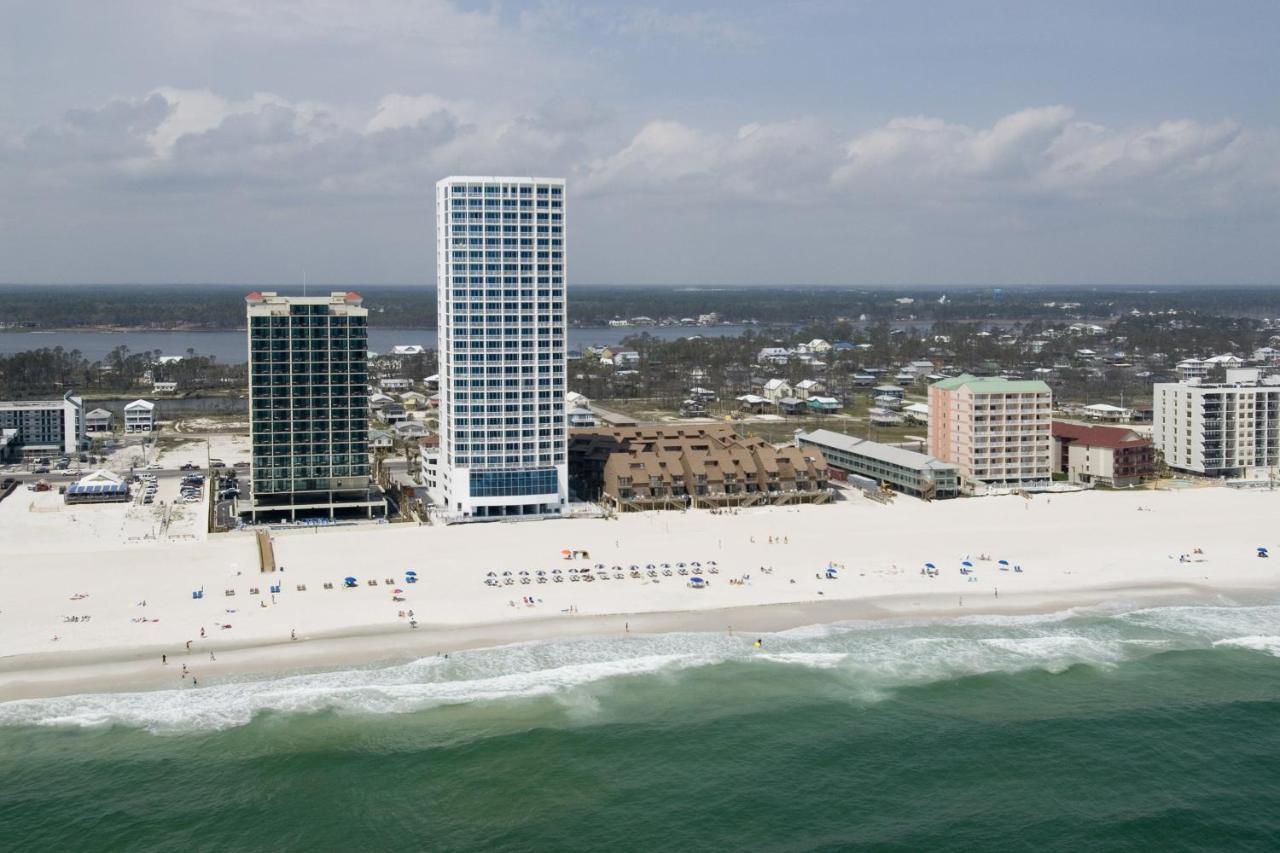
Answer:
[(875, 658)]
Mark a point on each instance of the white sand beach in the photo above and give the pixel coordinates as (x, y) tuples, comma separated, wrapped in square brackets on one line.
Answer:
[(1083, 548)]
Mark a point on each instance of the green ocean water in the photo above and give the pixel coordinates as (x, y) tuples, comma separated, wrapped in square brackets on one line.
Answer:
[(1154, 729)]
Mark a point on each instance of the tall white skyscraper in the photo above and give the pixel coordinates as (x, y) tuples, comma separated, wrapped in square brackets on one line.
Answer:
[(500, 275)]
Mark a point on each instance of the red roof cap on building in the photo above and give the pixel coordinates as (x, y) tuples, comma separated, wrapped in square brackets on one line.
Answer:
[(1098, 436)]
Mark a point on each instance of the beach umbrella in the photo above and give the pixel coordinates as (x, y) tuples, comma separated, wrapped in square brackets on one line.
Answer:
[(507, 574), (411, 573), (696, 579), (349, 581), (541, 573), (556, 571), (492, 575), (680, 565), (524, 573), (930, 566), (967, 564), (1003, 562), (712, 563), (650, 566), (696, 564), (1262, 549)]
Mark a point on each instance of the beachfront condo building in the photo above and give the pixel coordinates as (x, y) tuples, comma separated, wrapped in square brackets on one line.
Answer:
[(36, 428), (308, 408), (500, 273), (1228, 429), (996, 431)]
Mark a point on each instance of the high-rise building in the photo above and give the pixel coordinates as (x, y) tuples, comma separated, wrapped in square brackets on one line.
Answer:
[(997, 431), (308, 407), (1227, 429), (500, 275)]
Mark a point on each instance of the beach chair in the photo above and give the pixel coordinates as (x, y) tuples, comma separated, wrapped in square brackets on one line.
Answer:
[(328, 586), (389, 581), (302, 587), (253, 590), (372, 582), (230, 592)]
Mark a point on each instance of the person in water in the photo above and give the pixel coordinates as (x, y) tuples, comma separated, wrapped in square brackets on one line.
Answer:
[(759, 644)]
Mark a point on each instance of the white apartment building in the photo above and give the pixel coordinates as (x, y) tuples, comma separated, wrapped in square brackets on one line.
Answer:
[(140, 416), (1230, 429), (997, 431), (500, 273), (45, 426)]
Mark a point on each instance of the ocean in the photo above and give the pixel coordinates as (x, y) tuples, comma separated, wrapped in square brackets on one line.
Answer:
[(1121, 730)]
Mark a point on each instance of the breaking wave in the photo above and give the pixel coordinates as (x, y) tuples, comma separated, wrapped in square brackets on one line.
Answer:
[(872, 658)]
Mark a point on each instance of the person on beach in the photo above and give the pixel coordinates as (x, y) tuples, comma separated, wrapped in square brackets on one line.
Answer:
[(201, 635), (164, 659), (195, 682), (188, 645), (293, 634), (211, 657)]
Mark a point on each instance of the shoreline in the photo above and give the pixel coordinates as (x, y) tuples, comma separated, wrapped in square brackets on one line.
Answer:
[(135, 669), (92, 595)]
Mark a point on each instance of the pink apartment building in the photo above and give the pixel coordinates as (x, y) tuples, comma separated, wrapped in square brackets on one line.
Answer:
[(998, 431)]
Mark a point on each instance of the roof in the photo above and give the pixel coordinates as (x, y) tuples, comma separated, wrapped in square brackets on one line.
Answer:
[(98, 413), (876, 450), (1104, 407), (140, 404), (1098, 436), (993, 385)]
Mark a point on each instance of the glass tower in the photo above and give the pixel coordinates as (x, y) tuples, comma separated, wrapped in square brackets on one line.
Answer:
[(308, 407), (500, 273)]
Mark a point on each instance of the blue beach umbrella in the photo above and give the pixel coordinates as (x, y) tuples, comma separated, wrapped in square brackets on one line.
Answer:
[(696, 579), (1003, 563), (349, 581), (411, 573), (967, 564), (930, 566)]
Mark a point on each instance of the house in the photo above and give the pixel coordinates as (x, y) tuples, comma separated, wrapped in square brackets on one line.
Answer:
[(889, 391), (574, 400), (916, 413), (580, 417), (1192, 368), (140, 416), (791, 406), (819, 345), (395, 383), (394, 413), (410, 429), (413, 399), (380, 439), (1106, 412), (407, 349), (776, 389), (704, 395), (432, 382), (809, 387), (753, 403), (379, 401), (625, 358), (824, 405), (99, 420), (773, 355), (164, 387), (1107, 455)]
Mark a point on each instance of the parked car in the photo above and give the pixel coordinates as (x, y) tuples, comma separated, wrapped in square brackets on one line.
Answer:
[(190, 466)]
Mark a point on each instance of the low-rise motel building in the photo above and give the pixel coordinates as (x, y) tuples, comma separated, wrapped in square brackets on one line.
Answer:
[(678, 467), (996, 431), (1103, 455), (902, 470)]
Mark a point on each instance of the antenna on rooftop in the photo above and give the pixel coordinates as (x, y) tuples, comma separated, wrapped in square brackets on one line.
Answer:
[(304, 281)]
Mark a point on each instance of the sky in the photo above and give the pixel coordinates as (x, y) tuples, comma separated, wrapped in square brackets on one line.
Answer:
[(807, 142)]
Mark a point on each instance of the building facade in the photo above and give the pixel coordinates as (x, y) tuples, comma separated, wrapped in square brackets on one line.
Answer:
[(677, 467), (1106, 455), (997, 431), (501, 273), (309, 424), (902, 470), (44, 426), (140, 416), (1219, 430)]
